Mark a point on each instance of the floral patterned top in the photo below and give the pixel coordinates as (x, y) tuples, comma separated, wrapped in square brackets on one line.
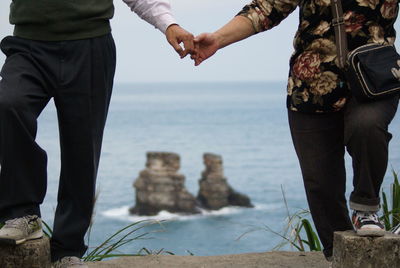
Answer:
[(316, 84)]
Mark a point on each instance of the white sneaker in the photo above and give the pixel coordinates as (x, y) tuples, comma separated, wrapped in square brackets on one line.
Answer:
[(367, 224), (69, 262), (19, 230)]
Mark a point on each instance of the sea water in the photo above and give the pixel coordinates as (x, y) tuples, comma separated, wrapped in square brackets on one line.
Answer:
[(244, 122)]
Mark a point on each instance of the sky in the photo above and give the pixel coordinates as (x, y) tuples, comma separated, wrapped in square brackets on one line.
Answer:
[(143, 54)]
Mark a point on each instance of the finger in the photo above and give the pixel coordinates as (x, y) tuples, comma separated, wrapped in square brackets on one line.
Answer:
[(187, 52), (193, 54), (198, 61), (196, 50), (184, 53), (189, 44), (190, 47), (179, 50), (195, 57), (176, 47)]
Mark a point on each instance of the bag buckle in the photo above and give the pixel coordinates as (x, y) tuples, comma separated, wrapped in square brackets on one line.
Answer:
[(337, 21)]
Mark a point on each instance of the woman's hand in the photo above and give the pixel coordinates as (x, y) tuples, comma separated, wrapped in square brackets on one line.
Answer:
[(206, 45)]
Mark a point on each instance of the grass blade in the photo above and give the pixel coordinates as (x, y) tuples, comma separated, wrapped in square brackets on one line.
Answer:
[(309, 233), (47, 230), (105, 243), (385, 208)]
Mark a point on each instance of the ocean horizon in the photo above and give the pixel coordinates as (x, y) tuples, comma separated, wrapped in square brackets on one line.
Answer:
[(244, 122)]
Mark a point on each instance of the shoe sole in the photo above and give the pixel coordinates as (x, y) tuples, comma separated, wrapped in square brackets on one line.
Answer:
[(372, 233), (15, 242)]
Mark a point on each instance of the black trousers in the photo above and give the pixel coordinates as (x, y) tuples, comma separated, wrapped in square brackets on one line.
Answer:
[(79, 76), (320, 141)]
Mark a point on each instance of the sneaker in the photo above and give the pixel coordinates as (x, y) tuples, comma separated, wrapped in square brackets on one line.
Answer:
[(396, 230), (367, 224), (19, 230), (69, 262)]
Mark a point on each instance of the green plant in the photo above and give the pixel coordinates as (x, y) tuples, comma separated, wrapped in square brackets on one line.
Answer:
[(312, 238), (391, 215), (110, 247), (96, 197), (190, 253), (153, 252), (47, 230), (296, 228), (298, 231), (298, 224)]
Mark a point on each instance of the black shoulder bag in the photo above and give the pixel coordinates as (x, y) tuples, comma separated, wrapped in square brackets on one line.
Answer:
[(372, 70)]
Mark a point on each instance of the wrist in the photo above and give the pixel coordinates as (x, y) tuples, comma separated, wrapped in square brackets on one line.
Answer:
[(220, 40), (171, 27)]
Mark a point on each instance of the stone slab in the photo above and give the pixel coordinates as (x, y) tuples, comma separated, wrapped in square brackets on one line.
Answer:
[(352, 251), (31, 254), (276, 259)]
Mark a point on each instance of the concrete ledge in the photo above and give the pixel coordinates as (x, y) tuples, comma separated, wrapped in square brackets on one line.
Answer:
[(276, 259), (352, 251), (32, 254)]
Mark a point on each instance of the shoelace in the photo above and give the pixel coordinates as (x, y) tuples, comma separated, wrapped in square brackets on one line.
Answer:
[(21, 223), (370, 217)]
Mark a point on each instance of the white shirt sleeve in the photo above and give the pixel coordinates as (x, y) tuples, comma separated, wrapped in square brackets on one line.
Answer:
[(156, 12)]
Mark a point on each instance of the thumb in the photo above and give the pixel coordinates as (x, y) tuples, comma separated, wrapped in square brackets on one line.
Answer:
[(200, 37)]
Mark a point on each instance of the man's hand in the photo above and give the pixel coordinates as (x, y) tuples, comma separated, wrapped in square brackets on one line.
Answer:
[(206, 45), (176, 35)]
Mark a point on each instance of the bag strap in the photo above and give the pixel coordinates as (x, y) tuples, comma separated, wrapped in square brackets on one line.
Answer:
[(340, 32)]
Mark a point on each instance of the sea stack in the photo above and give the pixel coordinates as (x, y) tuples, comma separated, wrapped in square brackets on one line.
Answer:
[(160, 187), (215, 192)]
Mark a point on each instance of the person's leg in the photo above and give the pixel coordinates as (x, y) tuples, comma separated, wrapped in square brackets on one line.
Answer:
[(82, 103), (367, 140), (23, 96), (318, 141)]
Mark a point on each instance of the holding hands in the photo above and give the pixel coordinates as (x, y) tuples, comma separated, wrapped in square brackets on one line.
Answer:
[(207, 44), (200, 48)]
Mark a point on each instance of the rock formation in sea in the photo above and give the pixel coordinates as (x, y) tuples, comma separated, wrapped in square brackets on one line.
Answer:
[(160, 187), (215, 192)]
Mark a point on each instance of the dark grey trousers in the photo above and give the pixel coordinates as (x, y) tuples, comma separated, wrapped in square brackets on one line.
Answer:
[(320, 141), (79, 76)]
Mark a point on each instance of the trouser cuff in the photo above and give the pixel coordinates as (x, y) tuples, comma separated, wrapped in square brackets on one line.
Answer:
[(19, 212), (361, 207), (364, 204), (57, 255)]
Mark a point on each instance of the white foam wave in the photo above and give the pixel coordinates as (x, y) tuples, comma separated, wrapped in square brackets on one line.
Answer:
[(122, 213)]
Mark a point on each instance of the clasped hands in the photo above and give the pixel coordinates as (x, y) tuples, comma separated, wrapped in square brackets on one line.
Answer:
[(200, 48)]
